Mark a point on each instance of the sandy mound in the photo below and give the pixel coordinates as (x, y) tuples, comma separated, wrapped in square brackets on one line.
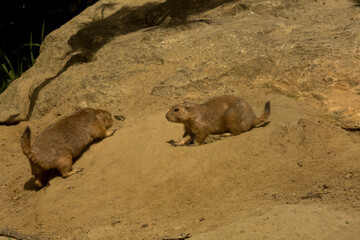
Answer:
[(295, 178)]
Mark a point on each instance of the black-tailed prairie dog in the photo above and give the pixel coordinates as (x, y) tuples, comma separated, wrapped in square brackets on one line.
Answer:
[(57, 145), (225, 115)]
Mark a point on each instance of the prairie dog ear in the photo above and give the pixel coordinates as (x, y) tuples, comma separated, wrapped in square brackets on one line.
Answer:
[(184, 109), (187, 105), (179, 107), (187, 108), (101, 116)]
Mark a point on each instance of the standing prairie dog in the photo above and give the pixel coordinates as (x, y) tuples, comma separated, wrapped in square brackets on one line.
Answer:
[(57, 145), (221, 115)]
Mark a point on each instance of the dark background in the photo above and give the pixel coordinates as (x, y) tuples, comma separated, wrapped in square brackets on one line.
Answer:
[(20, 18)]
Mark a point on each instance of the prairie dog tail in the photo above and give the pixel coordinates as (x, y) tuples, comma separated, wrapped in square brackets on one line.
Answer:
[(26, 144), (264, 115)]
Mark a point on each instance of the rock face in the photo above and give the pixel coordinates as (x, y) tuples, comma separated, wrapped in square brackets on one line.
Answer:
[(296, 177), (303, 49)]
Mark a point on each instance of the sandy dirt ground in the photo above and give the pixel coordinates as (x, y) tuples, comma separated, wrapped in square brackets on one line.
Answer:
[(296, 177)]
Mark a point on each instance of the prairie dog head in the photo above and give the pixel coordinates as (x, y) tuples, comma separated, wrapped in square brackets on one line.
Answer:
[(106, 118), (178, 113)]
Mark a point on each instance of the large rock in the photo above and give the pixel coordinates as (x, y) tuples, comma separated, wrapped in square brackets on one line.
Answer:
[(296, 177), (111, 50)]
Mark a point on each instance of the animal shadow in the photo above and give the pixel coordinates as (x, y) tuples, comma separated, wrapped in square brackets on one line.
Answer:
[(31, 186), (215, 137), (173, 143)]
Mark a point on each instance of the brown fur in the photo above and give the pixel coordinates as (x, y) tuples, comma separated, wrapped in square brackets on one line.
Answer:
[(57, 145), (220, 115)]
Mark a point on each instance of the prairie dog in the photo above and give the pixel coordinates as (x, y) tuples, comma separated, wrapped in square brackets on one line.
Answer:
[(58, 144), (221, 115)]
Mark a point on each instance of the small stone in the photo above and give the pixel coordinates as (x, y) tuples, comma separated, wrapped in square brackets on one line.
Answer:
[(348, 176), (144, 225), (115, 222)]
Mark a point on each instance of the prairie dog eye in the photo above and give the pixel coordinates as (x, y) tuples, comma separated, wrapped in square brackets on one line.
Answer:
[(176, 109)]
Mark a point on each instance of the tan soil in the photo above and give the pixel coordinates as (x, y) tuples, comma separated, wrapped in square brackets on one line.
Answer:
[(295, 178)]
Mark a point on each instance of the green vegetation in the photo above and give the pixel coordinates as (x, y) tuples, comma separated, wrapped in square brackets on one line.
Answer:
[(20, 60)]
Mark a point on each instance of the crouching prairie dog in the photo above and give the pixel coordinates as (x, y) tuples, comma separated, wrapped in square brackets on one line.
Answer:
[(57, 145), (227, 115)]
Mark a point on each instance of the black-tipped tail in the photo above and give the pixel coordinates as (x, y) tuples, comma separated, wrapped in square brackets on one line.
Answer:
[(264, 115), (267, 109), (26, 144)]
